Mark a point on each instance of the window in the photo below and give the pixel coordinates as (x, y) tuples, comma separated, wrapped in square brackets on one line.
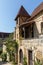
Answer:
[(41, 27), (30, 57)]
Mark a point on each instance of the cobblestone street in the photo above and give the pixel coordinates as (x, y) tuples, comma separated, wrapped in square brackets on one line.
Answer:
[(5, 63)]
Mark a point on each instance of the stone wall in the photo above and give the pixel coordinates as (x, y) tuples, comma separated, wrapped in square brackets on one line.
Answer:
[(38, 20), (37, 31)]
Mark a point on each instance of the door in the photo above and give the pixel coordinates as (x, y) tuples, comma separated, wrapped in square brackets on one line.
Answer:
[(30, 57)]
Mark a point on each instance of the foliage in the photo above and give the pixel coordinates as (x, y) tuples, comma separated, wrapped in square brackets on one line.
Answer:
[(14, 63), (4, 56), (11, 46), (1, 49), (37, 63), (24, 61), (1, 40)]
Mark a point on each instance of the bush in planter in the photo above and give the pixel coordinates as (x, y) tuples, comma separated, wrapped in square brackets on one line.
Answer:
[(4, 56)]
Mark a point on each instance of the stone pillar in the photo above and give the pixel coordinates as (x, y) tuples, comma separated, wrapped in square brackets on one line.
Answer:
[(7, 57), (4, 51), (4, 48)]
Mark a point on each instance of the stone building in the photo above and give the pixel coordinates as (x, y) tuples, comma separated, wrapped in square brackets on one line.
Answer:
[(29, 35)]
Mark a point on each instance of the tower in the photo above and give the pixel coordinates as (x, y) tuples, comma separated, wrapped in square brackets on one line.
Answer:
[(21, 17)]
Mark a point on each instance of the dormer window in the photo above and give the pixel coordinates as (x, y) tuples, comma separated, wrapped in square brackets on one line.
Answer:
[(42, 27)]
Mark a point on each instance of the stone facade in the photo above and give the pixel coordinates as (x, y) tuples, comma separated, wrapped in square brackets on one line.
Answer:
[(31, 47)]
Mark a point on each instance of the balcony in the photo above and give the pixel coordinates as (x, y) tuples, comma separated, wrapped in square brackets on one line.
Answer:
[(31, 42), (30, 36)]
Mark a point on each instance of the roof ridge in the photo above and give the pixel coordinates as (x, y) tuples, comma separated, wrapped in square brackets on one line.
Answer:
[(38, 7), (22, 12)]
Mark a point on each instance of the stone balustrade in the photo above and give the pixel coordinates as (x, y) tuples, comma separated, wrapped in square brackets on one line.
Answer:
[(32, 42)]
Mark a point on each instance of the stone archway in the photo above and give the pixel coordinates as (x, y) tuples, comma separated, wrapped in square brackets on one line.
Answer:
[(21, 56)]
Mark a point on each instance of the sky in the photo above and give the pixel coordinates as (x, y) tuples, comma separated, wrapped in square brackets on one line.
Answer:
[(9, 10)]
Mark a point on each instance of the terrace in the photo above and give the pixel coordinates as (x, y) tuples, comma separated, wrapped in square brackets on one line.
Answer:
[(30, 36)]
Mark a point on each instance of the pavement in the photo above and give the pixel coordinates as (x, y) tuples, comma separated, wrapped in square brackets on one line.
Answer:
[(4, 63)]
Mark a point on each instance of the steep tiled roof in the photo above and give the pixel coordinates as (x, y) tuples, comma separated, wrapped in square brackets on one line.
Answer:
[(22, 12), (37, 10)]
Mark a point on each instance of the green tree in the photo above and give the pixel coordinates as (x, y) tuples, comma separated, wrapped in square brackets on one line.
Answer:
[(11, 47), (1, 43)]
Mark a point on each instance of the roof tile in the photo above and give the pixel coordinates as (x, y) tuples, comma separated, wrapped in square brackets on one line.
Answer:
[(22, 12)]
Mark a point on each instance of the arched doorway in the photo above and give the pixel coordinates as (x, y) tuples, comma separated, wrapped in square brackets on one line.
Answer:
[(21, 56)]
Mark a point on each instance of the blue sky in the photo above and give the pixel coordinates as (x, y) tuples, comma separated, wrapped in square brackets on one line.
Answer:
[(9, 9)]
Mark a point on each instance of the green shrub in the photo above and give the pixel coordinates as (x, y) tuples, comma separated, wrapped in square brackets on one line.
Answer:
[(14, 63), (4, 56), (37, 63), (24, 61)]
